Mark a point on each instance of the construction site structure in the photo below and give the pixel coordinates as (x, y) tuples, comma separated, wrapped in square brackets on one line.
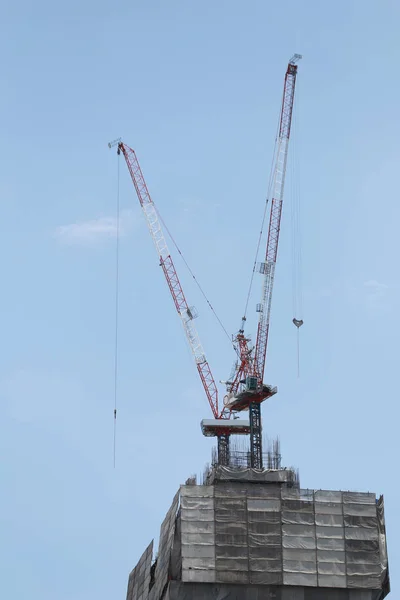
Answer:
[(248, 531), (247, 534)]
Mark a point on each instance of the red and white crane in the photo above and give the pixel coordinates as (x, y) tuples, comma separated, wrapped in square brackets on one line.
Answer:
[(222, 425), (247, 390)]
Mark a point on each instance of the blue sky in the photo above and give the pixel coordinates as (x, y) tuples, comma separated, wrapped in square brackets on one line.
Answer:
[(195, 88)]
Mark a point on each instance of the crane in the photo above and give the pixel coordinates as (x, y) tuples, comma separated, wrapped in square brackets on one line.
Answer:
[(222, 426), (246, 390)]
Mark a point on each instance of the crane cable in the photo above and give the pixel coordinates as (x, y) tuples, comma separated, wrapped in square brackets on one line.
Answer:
[(297, 296), (196, 280), (116, 310), (262, 222)]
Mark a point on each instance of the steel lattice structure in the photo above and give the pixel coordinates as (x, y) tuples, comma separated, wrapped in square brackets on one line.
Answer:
[(246, 390), (168, 267), (278, 186)]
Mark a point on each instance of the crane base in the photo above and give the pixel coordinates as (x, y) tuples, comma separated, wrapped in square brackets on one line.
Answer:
[(217, 427)]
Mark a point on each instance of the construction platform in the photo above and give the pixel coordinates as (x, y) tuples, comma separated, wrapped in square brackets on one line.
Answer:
[(242, 400), (255, 535), (214, 427)]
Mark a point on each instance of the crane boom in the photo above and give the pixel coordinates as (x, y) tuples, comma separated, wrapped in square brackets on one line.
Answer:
[(278, 184), (246, 390), (185, 312)]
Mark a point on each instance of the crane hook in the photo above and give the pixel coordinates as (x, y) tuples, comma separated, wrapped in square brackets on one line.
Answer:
[(298, 322)]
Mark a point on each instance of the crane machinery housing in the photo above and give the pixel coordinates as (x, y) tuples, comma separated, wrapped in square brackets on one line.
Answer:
[(246, 390)]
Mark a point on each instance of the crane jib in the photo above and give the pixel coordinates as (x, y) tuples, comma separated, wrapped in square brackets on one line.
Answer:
[(278, 185), (185, 312)]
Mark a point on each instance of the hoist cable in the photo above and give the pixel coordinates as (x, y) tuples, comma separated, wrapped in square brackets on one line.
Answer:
[(298, 352), (297, 298), (299, 236), (196, 281), (116, 311), (271, 174)]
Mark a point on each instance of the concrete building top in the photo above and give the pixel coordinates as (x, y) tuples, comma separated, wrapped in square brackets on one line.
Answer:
[(250, 535)]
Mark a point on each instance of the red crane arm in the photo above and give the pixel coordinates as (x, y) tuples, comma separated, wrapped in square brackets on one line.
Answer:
[(268, 267), (185, 312)]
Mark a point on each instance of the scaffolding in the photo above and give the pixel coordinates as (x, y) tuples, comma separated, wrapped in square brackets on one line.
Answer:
[(247, 533)]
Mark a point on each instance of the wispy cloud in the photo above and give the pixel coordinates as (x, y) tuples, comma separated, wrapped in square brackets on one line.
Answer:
[(371, 294), (376, 288), (376, 293), (96, 230)]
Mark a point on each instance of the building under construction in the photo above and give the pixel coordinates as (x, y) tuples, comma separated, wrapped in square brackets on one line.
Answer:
[(249, 531), (255, 534)]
